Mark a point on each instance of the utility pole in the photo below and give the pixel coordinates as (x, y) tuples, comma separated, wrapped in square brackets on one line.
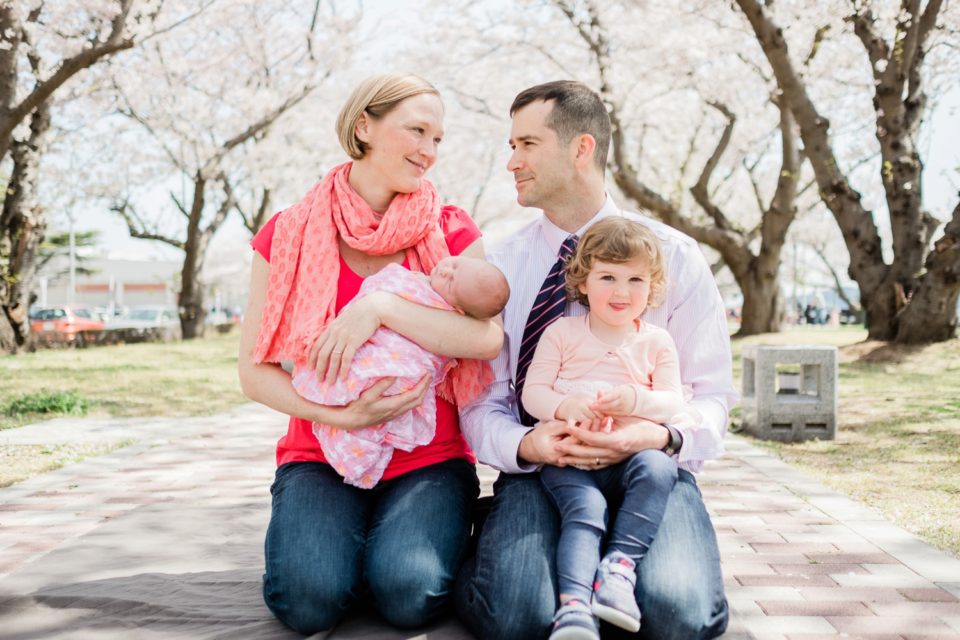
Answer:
[(72, 291)]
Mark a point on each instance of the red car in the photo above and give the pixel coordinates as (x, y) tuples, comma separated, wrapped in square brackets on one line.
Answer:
[(66, 325)]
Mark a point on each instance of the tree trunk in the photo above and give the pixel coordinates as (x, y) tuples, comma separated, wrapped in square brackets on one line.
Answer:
[(931, 315), (192, 313), (22, 225), (899, 103), (762, 310), (191, 289)]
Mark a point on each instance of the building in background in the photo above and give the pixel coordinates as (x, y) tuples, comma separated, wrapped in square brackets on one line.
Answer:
[(109, 284), (112, 285)]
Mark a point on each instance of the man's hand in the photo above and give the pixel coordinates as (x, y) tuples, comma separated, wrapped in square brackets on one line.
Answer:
[(539, 446), (595, 449)]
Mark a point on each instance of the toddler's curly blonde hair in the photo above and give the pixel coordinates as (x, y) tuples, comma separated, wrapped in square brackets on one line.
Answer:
[(617, 240)]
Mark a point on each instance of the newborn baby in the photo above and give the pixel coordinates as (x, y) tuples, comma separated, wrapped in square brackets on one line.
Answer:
[(470, 285)]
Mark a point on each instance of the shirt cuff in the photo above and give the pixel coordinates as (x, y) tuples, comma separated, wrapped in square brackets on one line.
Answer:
[(511, 452)]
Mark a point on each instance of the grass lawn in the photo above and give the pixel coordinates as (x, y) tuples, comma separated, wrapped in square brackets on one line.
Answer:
[(148, 379), (190, 378), (898, 437)]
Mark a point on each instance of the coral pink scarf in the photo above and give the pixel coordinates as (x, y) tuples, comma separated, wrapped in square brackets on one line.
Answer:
[(305, 266)]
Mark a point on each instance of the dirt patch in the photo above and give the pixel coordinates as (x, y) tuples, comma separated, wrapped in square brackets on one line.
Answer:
[(879, 352), (928, 358)]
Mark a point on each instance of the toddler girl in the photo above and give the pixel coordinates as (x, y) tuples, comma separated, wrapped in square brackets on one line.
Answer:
[(591, 369)]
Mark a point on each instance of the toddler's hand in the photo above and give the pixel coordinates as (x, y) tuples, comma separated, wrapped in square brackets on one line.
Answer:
[(618, 401), (603, 424), (577, 409)]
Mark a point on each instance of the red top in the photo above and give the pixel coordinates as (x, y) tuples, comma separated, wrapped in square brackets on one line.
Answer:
[(300, 445)]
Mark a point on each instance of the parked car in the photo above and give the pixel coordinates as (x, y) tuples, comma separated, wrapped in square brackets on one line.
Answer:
[(146, 323), (66, 325)]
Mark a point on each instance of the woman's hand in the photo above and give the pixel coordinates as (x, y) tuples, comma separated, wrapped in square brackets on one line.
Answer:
[(372, 407), (333, 351), (618, 401), (576, 409)]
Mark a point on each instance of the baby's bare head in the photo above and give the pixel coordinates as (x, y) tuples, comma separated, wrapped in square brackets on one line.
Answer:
[(474, 286)]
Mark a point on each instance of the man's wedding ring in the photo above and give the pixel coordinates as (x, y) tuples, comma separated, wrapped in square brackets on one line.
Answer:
[(596, 461)]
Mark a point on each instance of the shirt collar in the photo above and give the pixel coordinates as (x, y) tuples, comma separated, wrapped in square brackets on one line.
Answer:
[(554, 235)]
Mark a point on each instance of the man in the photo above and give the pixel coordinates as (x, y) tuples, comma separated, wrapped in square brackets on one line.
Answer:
[(560, 137)]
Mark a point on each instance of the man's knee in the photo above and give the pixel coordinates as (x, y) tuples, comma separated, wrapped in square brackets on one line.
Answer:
[(692, 616), (519, 615), (508, 590), (655, 467)]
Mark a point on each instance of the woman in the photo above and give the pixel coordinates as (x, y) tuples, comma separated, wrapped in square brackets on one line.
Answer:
[(398, 545)]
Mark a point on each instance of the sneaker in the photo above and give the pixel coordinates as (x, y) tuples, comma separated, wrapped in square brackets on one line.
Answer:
[(613, 592), (573, 621)]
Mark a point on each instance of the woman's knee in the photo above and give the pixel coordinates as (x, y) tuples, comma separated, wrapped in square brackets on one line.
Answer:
[(410, 599), (305, 605)]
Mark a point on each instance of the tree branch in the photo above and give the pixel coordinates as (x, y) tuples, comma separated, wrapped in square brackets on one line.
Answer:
[(815, 47), (757, 196), (67, 69), (137, 229), (853, 306), (700, 189), (855, 221), (262, 211), (228, 203), (257, 127), (877, 50), (179, 205), (133, 115)]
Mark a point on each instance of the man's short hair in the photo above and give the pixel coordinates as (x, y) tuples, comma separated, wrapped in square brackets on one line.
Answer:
[(577, 109)]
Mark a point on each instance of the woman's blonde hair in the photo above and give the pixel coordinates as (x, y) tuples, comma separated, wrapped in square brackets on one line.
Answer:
[(617, 240), (377, 96)]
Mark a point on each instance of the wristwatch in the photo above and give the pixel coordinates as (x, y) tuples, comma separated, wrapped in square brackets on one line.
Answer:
[(673, 445)]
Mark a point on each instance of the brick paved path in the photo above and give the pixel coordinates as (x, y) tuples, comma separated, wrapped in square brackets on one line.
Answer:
[(148, 541)]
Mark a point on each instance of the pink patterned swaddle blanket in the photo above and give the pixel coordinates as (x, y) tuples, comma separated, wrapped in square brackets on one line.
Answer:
[(362, 455)]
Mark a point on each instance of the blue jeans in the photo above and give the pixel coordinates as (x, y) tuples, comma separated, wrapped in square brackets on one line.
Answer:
[(398, 545), (508, 590), (636, 490)]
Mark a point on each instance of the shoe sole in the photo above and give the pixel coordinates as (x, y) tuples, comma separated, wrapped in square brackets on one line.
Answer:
[(615, 617), (574, 633)]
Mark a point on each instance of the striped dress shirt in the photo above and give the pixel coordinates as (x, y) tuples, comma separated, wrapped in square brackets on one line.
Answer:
[(692, 313)]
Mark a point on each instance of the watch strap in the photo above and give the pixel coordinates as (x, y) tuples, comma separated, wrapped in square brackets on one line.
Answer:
[(674, 443)]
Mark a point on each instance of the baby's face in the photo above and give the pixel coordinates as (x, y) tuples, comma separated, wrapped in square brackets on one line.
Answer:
[(472, 285), (447, 279)]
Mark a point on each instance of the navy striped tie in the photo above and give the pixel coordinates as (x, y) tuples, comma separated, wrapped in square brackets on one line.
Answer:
[(546, 309)]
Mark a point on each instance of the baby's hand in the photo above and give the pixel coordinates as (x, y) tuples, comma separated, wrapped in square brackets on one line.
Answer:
[(618, 401), (577, 409)]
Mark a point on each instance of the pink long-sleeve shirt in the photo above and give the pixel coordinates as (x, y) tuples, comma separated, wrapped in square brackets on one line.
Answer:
[(570, 359)]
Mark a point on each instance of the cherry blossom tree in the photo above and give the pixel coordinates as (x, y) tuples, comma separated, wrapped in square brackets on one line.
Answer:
[(44, 48), (752, 252), (206, 103), (913, 297)]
